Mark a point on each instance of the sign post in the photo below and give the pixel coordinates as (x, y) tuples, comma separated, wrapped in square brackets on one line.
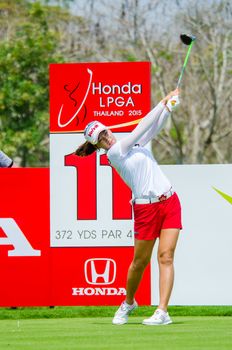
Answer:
[(89, 201)]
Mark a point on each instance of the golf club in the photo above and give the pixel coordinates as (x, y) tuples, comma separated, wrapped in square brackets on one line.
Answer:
[(187, 40)]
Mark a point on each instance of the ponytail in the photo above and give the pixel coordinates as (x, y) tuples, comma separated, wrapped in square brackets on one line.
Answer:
[(85, 149)]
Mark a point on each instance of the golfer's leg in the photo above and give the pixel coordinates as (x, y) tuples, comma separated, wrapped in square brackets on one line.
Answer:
[(166, 250), (142, 255)]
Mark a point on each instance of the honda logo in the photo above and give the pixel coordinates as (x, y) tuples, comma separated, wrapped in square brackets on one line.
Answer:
[(100, 271)]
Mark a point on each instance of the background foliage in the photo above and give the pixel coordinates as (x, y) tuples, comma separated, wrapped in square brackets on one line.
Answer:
[(36, 33)]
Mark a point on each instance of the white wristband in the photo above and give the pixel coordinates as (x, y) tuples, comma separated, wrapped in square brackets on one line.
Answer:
[(172, 103)]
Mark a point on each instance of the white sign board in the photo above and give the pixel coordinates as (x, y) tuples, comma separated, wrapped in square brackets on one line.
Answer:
[(203, 260), (67, 230)]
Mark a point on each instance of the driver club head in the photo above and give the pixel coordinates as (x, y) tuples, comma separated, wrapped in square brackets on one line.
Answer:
[(187, 39)]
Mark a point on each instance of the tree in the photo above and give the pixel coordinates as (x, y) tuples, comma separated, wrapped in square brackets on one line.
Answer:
[(32, 35), (24, 62), (205, 124), (199, 132)]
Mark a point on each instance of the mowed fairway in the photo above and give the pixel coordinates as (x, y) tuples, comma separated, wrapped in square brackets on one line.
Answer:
[(192, 333)]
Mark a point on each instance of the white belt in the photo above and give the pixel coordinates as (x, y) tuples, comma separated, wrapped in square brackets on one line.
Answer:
[(157, 199)]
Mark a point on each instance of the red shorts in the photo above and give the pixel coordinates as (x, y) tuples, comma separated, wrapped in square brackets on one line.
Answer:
[(150, 219)]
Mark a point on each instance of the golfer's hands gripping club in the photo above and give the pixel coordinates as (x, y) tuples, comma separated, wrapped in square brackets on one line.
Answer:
[(171, 101)]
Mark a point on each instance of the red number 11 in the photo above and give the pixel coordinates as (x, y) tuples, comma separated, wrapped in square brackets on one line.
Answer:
[(86, 169)]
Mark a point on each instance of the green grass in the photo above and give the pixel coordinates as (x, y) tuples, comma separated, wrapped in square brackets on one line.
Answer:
[(107, 311), (187, 333), (90, 328)]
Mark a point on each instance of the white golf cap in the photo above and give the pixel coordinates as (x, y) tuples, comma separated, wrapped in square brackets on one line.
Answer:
[(92, 131)]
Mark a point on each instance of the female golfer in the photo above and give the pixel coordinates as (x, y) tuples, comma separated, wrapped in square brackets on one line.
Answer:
[(157, 210)]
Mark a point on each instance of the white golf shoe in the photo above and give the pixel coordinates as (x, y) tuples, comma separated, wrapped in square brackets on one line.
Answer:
[(173, 103), (121, 315), (159, 318)]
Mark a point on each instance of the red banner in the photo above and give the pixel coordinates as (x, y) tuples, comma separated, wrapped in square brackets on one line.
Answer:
[(114, 93), (94, 276), (70, 272), (24, 232), (33, 273)]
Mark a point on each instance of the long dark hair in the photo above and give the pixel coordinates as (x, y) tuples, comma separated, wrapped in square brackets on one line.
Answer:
[(85, 149)]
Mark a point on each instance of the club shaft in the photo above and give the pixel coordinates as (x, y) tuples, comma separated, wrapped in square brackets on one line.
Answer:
[(185, 64)]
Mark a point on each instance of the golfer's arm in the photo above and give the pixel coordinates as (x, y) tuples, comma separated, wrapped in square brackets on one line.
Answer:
[(150, 120), (155, 128), (5, 161)]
